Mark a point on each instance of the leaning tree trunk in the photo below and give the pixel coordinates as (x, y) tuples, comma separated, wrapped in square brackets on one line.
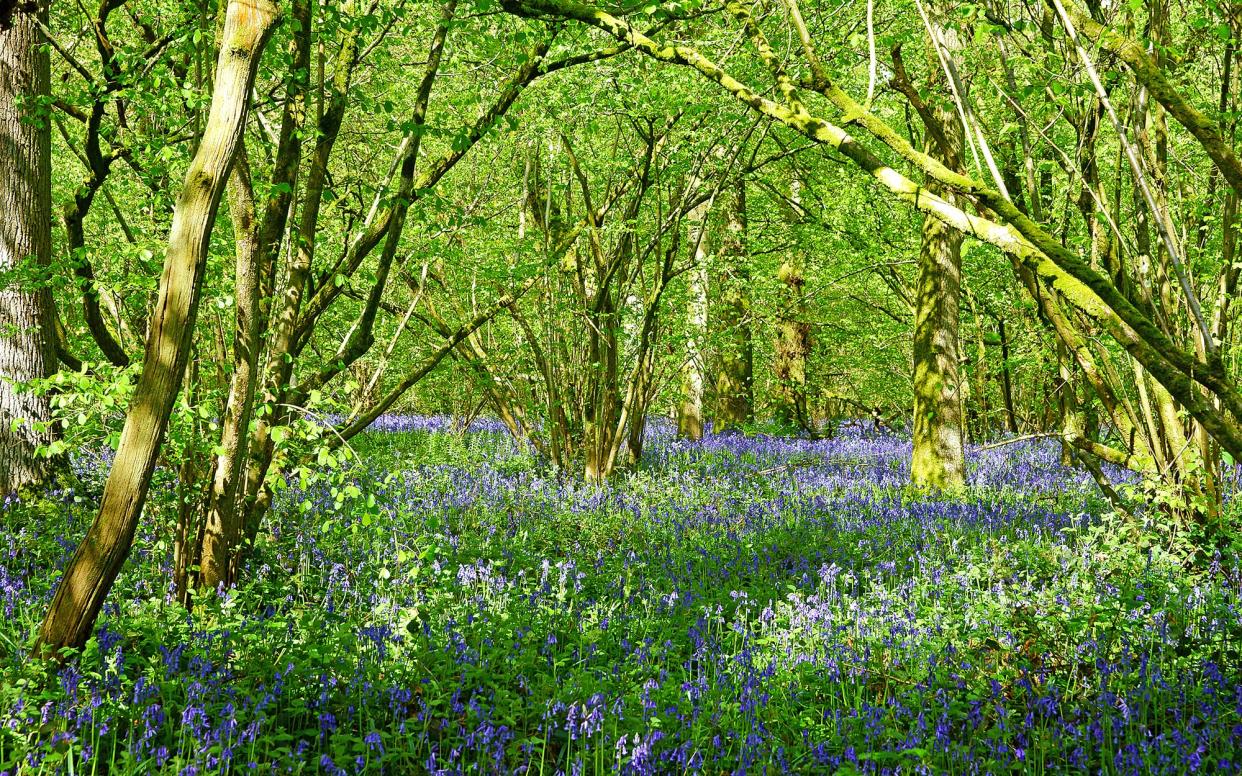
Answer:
[(735, 397), (95, 565), (27, 342)]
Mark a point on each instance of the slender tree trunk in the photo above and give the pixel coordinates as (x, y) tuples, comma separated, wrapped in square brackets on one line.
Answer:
[(735, 397), (632, 419), (188, 535), (793, 346), (259, 241), (27, 324), (981, 407), (1006, 375), (690, 410), (361, 335), (287, 309), (599, 413), (93, 568), (222, 529), (1067, 404)]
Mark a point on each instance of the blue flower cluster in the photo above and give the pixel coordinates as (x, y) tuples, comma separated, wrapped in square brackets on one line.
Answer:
[(741, 604)]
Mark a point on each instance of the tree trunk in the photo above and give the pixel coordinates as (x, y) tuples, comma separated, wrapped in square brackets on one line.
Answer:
[(793, 336), (690, 410), (95, 565), (981, 410), (793, 346), (938, 460), (221, 525), (259, 241), (1006, 374), (286, 309), (1067, 405), (27, 328), (190, 490), (735, 397), (599, 416)]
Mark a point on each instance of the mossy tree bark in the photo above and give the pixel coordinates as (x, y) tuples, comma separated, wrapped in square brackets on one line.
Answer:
[(98, 559), (938, 459), (27, 332), (793, 334)]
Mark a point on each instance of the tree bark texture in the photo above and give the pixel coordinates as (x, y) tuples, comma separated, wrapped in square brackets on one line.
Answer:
[(938, 461), (27, 329)]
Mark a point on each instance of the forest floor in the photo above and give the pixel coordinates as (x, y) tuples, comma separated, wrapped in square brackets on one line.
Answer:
[(749, 604)]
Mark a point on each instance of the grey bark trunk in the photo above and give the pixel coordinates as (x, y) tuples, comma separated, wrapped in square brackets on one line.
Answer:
[(27, 330)]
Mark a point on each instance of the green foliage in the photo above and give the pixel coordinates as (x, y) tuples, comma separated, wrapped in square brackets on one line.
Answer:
[(384, 513)]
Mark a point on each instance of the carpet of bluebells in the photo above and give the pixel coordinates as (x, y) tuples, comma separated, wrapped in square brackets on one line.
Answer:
[(744, 604)]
